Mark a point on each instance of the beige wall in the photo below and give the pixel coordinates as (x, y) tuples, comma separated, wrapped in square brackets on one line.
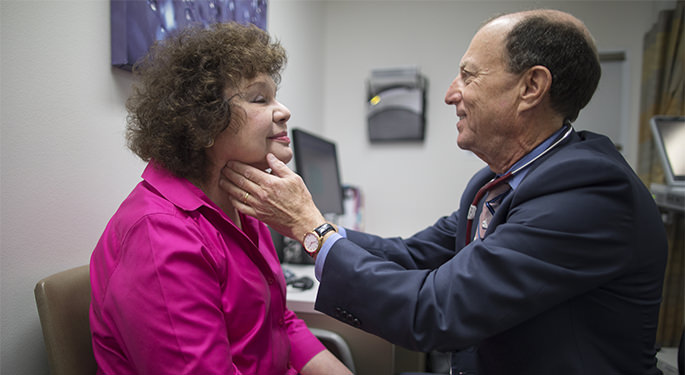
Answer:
[(407, 187)]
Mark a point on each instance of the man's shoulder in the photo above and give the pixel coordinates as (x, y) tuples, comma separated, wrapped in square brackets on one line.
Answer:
[(587, 153)]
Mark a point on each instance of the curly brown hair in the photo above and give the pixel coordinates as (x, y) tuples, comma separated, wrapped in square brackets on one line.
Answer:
[(178, 105)]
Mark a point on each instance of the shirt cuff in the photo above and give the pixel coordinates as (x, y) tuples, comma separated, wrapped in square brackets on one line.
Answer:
[(323, 253)]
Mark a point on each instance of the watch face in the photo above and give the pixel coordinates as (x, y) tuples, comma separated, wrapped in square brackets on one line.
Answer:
[(311, 242)]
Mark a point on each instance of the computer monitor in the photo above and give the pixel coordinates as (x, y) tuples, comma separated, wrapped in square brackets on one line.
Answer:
[(316, 161), (669, 138)]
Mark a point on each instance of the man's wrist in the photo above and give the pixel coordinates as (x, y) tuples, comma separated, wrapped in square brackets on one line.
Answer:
[(328, 234), (313, 241), (325, 238), (308, 226)]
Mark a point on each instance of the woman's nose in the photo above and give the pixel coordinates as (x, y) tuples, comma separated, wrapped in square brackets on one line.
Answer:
[(281, 113)]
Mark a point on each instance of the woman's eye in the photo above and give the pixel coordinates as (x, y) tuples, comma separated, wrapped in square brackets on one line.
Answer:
[(259, 99)]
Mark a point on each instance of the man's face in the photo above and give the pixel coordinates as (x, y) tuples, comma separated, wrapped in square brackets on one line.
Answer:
[(485, 93)]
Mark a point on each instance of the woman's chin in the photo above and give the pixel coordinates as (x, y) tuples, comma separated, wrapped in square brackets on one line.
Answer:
[(285, 156), (264, 165)]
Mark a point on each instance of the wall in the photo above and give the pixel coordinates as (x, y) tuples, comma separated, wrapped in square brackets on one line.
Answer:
[(64, 164), (65, 168), (408, 186)]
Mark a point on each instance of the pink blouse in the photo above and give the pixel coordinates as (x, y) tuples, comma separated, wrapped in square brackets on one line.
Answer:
[(178, 289)]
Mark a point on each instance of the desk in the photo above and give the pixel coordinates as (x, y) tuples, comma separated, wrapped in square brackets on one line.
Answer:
[(302, 300), (372, 355)]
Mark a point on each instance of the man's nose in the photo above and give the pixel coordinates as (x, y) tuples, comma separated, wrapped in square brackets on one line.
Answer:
[(453, 94)]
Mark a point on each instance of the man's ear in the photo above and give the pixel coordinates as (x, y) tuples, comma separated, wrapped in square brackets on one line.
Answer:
[(535, 85)]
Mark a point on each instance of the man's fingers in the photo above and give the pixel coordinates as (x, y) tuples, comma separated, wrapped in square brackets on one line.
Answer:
[(247, 172), (240, 189), (278, 168), (244, 206), (241, 197)]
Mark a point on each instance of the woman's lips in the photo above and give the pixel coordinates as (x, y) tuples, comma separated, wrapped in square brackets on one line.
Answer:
[(281, 137)]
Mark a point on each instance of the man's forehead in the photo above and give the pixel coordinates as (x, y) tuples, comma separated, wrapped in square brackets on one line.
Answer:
[(485, 48), (506, 21)]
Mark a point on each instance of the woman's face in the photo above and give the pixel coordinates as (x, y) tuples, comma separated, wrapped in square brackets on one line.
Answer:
[(262, 127)]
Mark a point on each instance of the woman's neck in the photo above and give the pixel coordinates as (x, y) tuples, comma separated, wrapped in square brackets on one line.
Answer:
[(212, 190)]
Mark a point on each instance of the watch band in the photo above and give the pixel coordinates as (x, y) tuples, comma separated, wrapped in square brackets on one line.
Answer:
[(324, 228)]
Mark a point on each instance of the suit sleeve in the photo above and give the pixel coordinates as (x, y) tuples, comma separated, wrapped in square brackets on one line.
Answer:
[(555, 241), (427, 249)]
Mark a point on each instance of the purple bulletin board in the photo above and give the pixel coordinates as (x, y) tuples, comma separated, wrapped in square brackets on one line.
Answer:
[(137, 24)]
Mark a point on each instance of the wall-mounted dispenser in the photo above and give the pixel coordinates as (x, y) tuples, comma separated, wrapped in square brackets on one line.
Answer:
[(396, 105)]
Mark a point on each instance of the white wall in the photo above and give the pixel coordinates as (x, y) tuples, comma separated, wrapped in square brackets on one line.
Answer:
[(408, 187), (64, 164), (65, 168)]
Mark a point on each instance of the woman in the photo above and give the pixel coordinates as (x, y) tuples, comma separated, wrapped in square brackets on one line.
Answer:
[(181, 282)]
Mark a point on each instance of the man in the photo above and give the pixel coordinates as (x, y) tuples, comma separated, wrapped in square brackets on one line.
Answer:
[(562, 274)]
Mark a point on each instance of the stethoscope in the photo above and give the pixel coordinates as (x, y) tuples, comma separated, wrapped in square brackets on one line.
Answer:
[(471, 215)]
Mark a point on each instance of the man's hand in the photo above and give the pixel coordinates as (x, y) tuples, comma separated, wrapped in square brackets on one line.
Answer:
[(279, 199)]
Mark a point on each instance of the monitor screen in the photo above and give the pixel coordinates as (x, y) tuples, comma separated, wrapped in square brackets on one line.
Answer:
[(669, 138), (316, 161)]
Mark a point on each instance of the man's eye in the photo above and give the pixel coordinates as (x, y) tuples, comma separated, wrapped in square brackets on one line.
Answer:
[(259, 99)]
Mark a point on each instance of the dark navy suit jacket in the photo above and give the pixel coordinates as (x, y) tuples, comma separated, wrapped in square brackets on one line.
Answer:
[(568, 279)]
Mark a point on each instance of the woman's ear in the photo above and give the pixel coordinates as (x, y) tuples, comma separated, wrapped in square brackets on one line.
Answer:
[(536, 83)]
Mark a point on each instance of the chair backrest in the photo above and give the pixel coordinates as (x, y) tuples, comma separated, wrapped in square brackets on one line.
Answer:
[(63, 301), (336, 345)]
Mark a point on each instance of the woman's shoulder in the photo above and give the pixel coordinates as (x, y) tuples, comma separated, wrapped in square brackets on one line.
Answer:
[(145, 201)]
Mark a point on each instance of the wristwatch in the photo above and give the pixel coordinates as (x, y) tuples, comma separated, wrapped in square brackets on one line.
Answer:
[(313, 240)]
